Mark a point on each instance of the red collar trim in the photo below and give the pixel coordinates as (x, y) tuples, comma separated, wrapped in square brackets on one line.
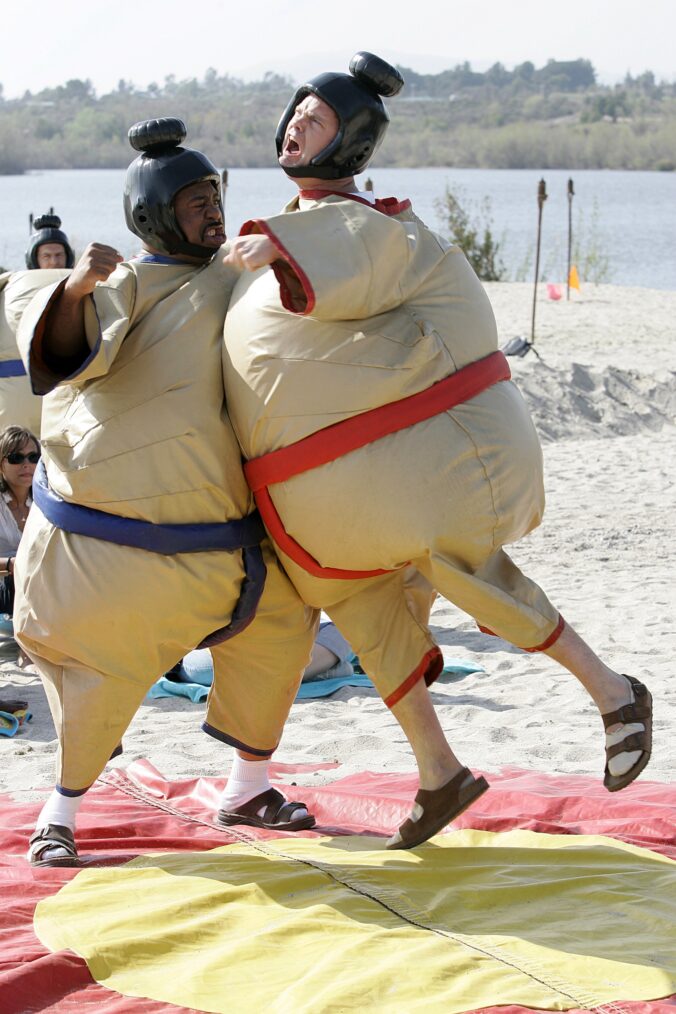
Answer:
[(386, 205)]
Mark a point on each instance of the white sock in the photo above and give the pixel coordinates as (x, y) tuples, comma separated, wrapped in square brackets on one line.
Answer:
[(60, 809), (246, 780)]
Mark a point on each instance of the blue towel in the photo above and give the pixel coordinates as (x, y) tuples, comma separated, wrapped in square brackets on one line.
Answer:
[(453, 670), (324, 688), (167, 688), (11, 721), (198, 664)]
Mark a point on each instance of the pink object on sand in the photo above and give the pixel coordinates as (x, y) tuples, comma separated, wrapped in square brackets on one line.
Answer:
[(554, 290)]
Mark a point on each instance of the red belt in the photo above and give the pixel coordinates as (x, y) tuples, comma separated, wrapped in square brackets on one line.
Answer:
[(334, 441)]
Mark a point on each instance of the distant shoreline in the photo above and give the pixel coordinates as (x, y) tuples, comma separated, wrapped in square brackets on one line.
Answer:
[(449, 168)]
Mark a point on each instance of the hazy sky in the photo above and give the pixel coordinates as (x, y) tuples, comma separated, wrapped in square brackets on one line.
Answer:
[(45, 42)]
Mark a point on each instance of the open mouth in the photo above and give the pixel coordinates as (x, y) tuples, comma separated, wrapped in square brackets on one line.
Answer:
[(214, 232), (291, 147)]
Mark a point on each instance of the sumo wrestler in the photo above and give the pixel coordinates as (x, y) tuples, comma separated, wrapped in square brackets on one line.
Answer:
[(382, 429), (142, 542)]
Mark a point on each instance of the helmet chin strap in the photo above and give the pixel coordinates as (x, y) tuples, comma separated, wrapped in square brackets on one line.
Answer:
[(204, 253), (317, 172)]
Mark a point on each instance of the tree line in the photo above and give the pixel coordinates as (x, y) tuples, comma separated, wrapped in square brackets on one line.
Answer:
[(555, 116)]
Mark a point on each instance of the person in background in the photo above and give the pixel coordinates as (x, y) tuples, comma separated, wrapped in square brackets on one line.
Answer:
[(48, 246), (331, 654), (19, 455), (330, 659)]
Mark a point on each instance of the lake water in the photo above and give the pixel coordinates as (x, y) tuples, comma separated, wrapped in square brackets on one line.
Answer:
[(624, 220)]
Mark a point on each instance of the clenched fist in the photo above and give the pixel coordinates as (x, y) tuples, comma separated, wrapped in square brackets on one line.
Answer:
[(96, 264), (251, 252)]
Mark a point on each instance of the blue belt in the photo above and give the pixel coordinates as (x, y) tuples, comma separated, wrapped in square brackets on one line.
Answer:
[(12, 368), (243, 533)]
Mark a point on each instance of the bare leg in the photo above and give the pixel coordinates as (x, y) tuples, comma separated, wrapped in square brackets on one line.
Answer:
[(447, 788), (437, 763), (608, 689), (321, 660)]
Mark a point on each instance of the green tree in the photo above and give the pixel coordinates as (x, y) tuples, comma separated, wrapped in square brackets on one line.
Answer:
[(473, 236)]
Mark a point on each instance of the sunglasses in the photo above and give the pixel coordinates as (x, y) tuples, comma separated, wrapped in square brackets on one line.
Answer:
[(17, 458)]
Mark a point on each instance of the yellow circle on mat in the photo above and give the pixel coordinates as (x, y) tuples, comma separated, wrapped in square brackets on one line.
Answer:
[(472, 919)]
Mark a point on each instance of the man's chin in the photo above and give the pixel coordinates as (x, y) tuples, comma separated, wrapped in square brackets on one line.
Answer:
[(287, 161)]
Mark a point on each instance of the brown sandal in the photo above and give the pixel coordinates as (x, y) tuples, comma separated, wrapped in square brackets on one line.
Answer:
[(49, 837), (277, 815), (639, 711), (437, 807)]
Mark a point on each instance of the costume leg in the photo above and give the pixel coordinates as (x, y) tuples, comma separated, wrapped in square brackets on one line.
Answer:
[(128, 616), (258, 672), (91, 712), (501, 599), (420, 595), (384, 620)]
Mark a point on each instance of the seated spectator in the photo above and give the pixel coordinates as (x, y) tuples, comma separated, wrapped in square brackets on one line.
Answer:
[(19, 454)]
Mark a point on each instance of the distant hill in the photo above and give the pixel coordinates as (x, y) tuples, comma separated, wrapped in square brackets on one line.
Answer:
[(555, 116)]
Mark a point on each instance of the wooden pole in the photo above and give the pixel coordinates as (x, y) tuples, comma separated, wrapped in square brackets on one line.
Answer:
[(542, 197), (224, 186), (571, 194)]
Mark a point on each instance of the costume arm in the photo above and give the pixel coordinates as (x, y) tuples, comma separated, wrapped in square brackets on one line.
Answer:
[(17, 289), (346, 261), (106, 320)]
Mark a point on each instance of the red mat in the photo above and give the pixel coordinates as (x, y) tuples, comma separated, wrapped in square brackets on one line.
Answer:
[(136, 810)]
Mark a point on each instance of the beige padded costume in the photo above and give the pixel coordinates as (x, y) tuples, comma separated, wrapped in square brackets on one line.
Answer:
[(388, 310), (140, 431), (18, 405)]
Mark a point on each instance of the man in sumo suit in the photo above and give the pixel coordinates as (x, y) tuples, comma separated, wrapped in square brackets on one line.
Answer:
[(142, 542), (382, 429)]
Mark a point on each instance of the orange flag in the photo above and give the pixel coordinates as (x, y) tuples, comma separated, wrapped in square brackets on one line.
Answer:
[(574, 278)]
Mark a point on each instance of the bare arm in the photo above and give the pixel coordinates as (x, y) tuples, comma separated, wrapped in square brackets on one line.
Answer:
[(64, 338)]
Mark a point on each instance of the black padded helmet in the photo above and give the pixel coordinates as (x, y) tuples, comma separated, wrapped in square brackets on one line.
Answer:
[(362, 117), (156, 176), (47, 229)]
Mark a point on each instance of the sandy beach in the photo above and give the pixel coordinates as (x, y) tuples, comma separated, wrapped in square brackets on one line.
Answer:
[(603, 396)]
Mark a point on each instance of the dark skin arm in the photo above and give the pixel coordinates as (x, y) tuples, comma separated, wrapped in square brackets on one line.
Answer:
[(64, 338)]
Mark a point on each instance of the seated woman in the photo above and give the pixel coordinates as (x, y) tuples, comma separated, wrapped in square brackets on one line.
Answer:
[(19, 454)]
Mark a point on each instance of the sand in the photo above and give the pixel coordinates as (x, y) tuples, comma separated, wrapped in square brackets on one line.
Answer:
[(604, 399)]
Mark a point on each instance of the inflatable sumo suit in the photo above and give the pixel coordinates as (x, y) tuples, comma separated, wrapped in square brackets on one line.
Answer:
[(145, 556), (382, 428), (18, 405)]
